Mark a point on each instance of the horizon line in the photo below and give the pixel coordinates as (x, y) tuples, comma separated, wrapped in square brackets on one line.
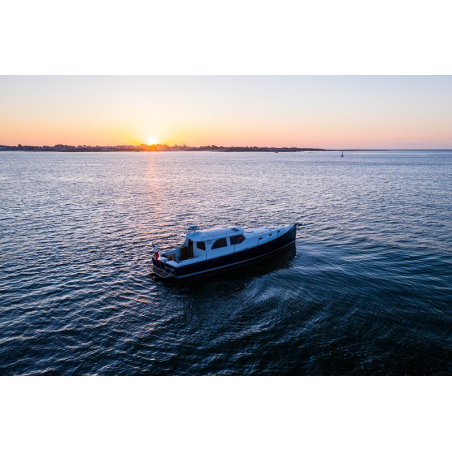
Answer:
[(161, 147)]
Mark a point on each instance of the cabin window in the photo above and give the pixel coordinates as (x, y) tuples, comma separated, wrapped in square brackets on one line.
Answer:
[(236, 239), (220, 243), (201, 246)]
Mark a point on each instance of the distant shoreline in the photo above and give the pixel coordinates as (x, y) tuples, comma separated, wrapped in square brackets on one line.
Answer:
[(153, 148), (112, 149)]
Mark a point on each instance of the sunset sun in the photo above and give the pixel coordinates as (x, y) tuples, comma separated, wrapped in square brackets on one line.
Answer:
[(152, 140)]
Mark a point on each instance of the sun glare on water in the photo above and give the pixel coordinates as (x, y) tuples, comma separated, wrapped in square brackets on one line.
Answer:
[(152, 140)]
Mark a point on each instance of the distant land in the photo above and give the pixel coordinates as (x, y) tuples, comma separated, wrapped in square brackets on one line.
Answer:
[(165, 147), (152, 148)]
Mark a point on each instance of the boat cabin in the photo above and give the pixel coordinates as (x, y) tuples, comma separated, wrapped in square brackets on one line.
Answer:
[(208, 243)]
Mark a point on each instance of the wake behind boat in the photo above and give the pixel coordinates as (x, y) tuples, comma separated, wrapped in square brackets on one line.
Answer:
[(214, 249)]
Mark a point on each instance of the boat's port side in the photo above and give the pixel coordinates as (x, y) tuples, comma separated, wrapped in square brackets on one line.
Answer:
[(249, 252), (212, 249)]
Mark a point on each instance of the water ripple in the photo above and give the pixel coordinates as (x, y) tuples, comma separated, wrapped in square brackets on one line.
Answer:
[(368, 289)]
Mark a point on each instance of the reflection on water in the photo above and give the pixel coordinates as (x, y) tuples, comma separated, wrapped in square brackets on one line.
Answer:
[(367, 290)]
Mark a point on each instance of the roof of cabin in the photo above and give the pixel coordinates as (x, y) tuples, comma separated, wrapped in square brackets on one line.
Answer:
[(210, 234)]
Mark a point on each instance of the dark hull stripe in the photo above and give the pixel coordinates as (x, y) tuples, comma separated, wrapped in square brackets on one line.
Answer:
[(240, 257), (236, 263)]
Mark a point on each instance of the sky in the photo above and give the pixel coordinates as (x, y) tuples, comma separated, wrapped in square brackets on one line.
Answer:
[(331, 112)]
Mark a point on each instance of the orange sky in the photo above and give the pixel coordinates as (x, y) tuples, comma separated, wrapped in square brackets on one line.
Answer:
[(304, 111)]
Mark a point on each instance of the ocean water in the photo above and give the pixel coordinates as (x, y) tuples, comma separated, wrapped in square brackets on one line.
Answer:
[(367, 291)]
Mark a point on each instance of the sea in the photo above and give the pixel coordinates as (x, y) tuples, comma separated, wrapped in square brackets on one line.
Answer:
[(367, 290)]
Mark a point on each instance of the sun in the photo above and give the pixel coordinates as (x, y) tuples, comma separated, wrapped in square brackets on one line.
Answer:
[(152, 140)]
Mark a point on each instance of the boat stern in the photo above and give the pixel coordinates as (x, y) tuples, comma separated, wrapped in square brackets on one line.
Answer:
[(160, 268)]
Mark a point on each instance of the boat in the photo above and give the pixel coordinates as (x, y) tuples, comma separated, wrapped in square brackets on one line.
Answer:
[(208, 250), (342, 154)]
